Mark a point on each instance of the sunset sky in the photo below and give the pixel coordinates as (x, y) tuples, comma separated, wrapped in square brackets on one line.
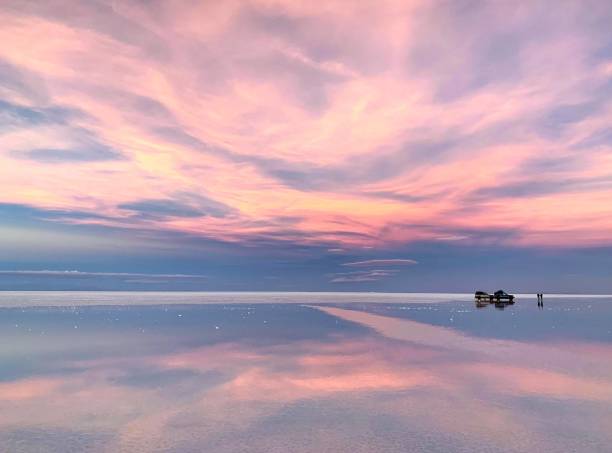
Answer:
[(306, 145)]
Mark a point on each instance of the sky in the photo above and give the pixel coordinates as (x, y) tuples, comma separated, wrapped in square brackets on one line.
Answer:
[(388, 145)]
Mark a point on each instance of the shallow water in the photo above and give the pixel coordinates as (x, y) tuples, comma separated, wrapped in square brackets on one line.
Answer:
[(326, 373)]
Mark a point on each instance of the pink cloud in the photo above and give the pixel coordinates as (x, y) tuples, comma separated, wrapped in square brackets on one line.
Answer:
[(359, 119)]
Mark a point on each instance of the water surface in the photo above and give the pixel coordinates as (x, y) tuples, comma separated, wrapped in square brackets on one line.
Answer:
[(302, 373)]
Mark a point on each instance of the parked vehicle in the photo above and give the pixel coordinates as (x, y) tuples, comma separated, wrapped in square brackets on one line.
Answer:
[(498, 297)]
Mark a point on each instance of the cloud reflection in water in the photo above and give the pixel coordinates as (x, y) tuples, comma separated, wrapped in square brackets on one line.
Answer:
[(289, 378)]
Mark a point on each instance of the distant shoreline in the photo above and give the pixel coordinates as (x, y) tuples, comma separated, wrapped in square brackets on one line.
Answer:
[(40, 299)]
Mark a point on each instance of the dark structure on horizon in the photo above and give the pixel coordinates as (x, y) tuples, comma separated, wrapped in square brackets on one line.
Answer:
[(499, 298)]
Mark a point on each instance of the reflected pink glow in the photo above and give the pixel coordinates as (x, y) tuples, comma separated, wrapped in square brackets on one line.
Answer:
[(26, 389), (500, 372), (452, 384), (258, 385), (540, 382)]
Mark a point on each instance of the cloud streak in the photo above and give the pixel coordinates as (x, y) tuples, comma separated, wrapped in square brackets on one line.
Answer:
[(77, 274), (373, 275), (382, 262)]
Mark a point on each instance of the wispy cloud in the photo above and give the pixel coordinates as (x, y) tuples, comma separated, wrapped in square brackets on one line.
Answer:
[(77, 274), (363, 276), (58, 156), (181, 205), (382, 262)]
